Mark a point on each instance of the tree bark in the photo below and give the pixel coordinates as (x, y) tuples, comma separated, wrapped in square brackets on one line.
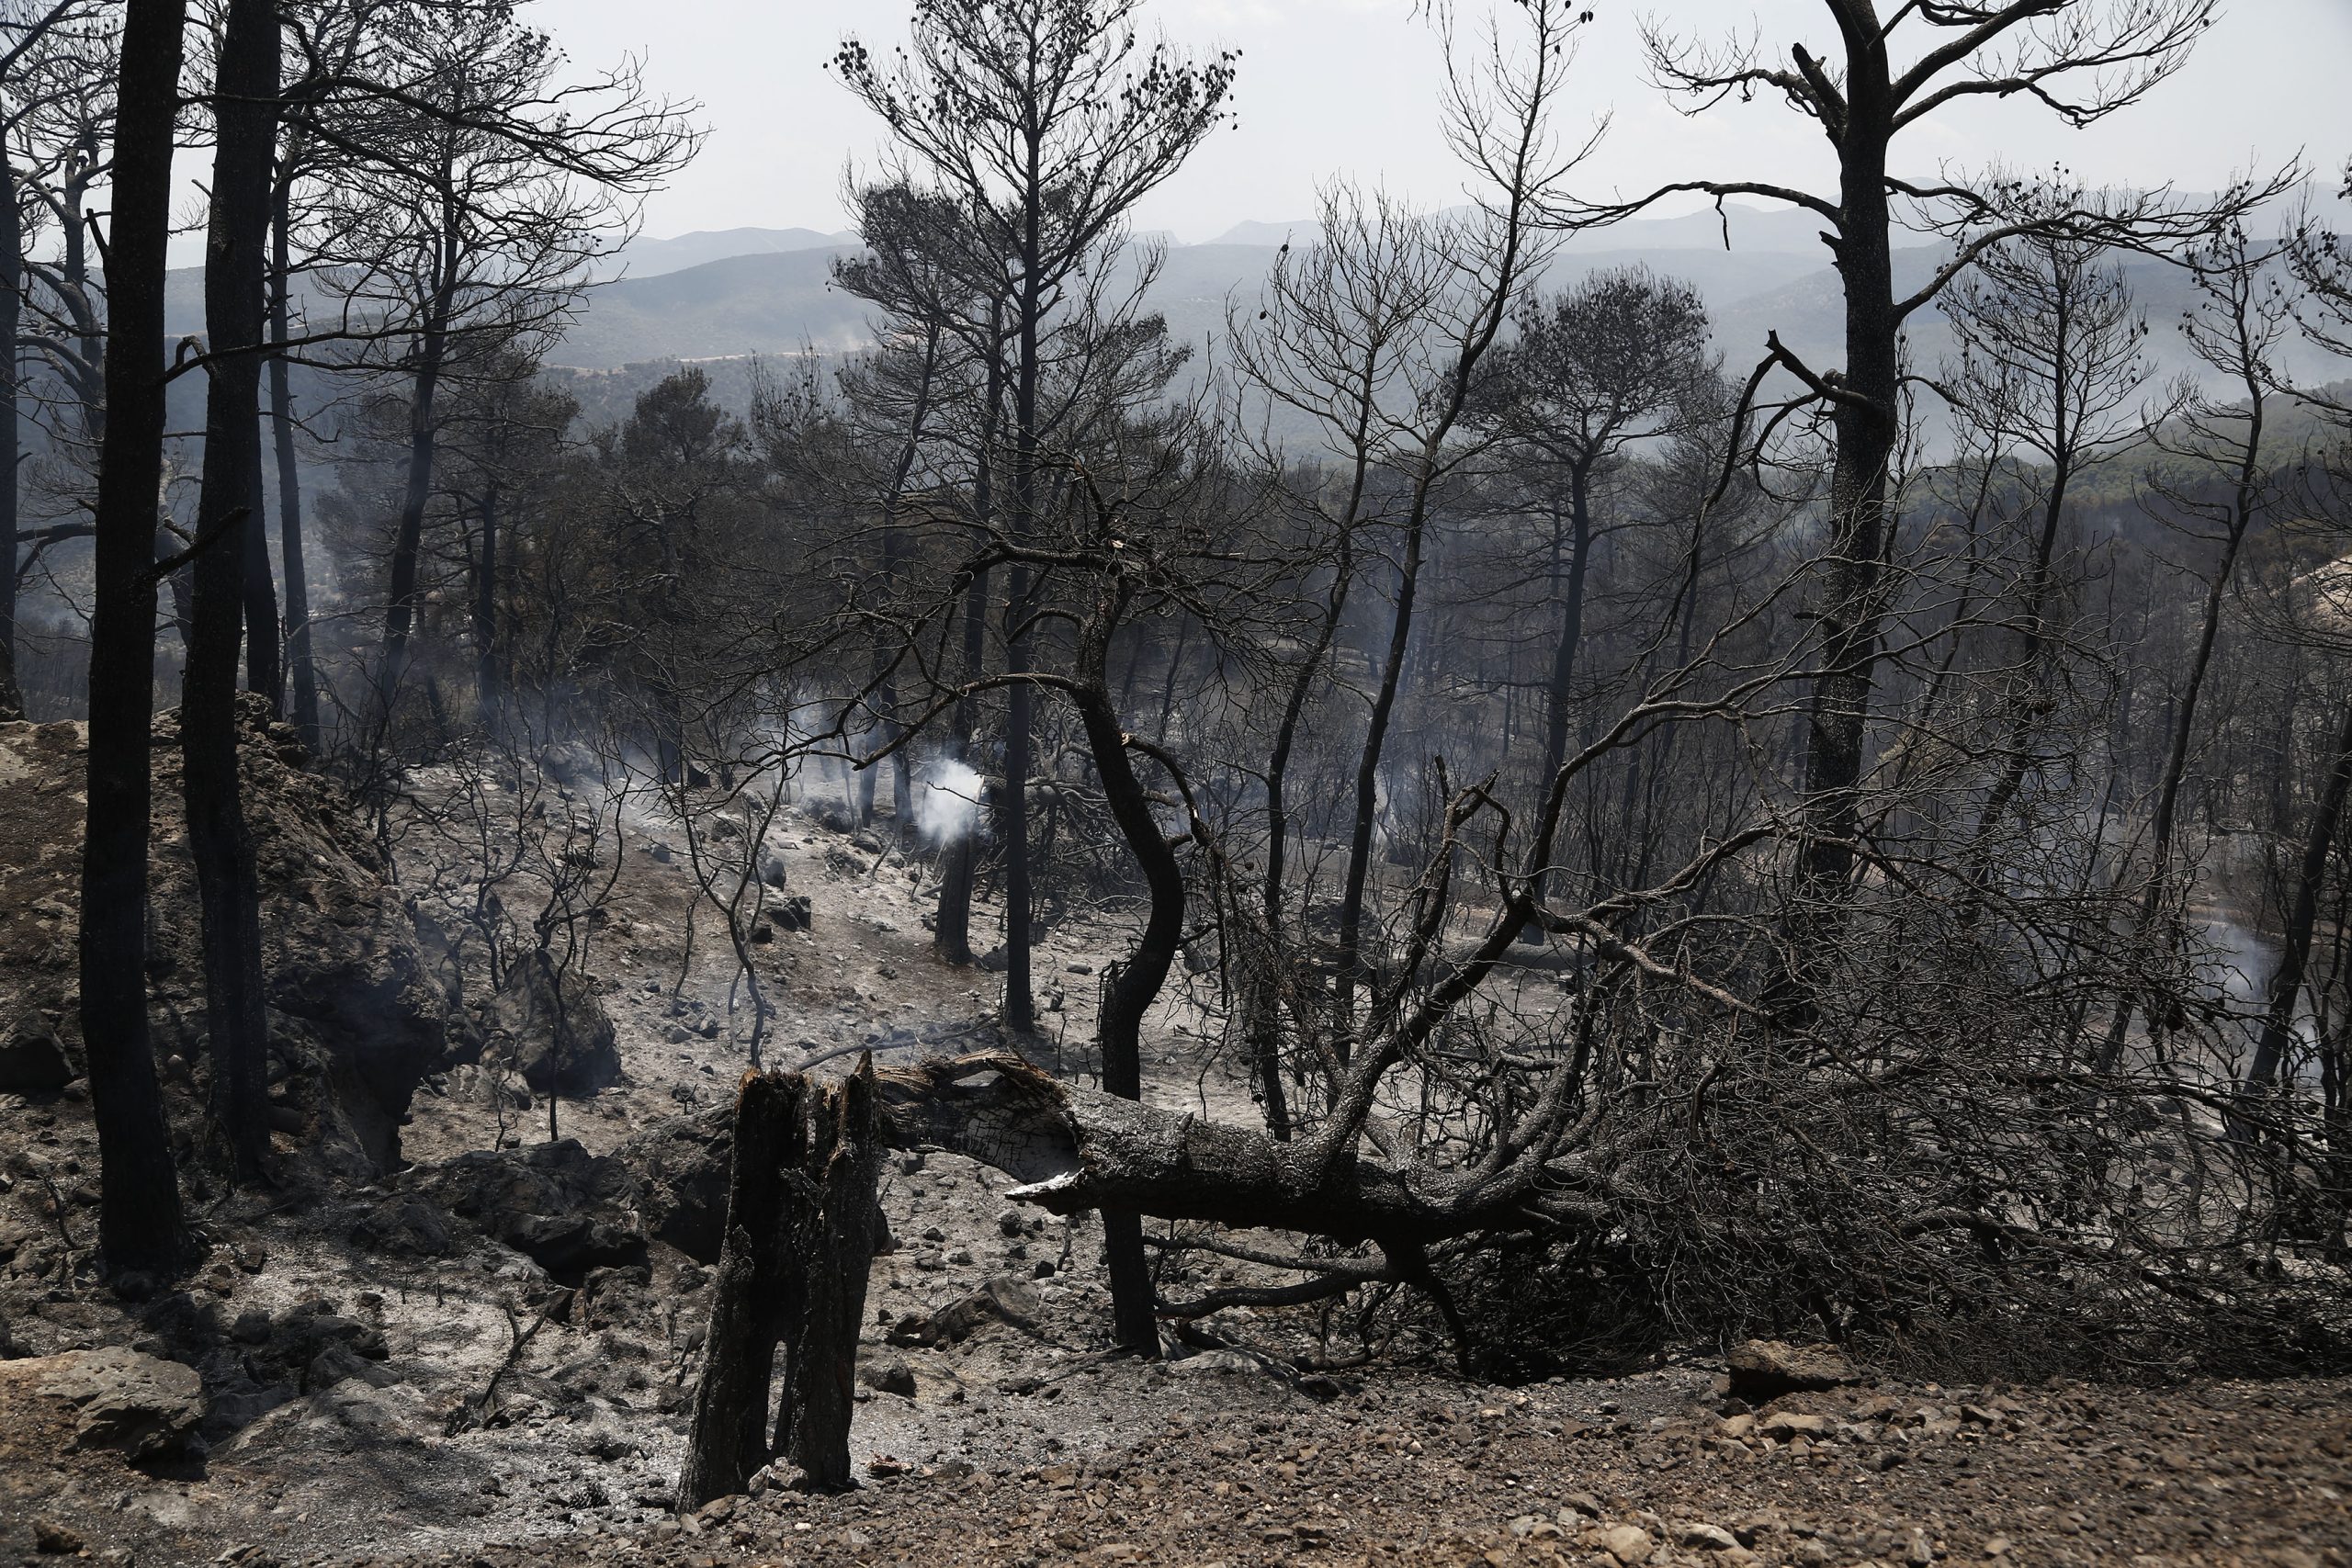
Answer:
[(1559, 690), (831, 1242), (300, 663), (751, 1299), (399, 611), (228, 521), (802, 1223), (1131, 990), (2303, 918), (952, 932), (12, 282), (488, 686), (138, 1217)]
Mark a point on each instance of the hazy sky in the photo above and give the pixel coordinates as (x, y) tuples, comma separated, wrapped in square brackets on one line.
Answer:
[(1349, 87)]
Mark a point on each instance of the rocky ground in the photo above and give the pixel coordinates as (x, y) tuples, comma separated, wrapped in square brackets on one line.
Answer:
[(446, 1338)]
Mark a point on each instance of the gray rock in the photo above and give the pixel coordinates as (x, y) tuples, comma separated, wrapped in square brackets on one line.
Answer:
[(1005, 1299), (403, 1227), (557, 1034), (681, 1167), (1696, 1537), (566, 1209), (338, 1361), (1216, 1364), (887, 1375), (141, 1405)]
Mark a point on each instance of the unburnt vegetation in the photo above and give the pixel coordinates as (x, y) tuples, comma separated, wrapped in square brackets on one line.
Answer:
[(1479, 826)]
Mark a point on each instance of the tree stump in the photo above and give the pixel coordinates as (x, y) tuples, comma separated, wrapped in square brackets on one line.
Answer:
[(802, 1223)]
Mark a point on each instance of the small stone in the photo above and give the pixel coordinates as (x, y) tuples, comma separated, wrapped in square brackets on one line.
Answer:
[(48, 1536), (1999, 1546), (890, 1375), (1628, 1544), (1923, 1551), (1787, 1428), (1705, 1537)]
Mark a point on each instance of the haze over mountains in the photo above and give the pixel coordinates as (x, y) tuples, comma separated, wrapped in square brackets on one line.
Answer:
[(737, 292), (731, 294)]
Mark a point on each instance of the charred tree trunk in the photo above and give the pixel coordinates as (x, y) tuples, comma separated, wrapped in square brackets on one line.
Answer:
[(12, 279), (138, 1218), (1559, 690), (830, 1242), (2303, 918), (727, 1441), (408, 543), (488, 686), (1867, 426), (1368, 785), (228, 523), (802, 1223), (300, 663), (952, 932), (1132, 989)]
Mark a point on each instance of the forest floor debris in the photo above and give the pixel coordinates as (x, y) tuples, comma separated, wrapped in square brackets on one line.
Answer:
[(486, 1358)]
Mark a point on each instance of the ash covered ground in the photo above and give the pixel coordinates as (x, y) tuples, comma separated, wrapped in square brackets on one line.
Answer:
[(444, 1336)]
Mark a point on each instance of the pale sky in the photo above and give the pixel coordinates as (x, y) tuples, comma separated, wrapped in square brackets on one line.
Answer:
[(1350, 86)]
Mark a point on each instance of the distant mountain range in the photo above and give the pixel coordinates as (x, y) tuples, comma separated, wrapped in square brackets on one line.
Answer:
[(745, 291), (643, 258), (775, 295), (730, 294)]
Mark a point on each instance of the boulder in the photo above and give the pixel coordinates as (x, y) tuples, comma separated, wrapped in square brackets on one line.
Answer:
[(1763, 1370), (33, 1059), (566, 1209), (403, 1227), (681, 1164), (142, 1405), (556, 1031), (887, 1375)]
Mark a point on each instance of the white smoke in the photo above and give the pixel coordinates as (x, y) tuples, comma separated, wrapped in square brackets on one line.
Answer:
[(947, 802)]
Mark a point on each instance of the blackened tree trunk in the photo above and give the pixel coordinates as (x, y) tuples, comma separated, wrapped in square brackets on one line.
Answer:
[(802, 1224), (299, 663), (488, 683), (408, 540), (830, 1243), (12, 279), (1131, 990), (228, 518), (1020, 1005), (1866, 426), (138, 1217), (2303, 918), (1560, 690), (727, 1441), (951, 934)]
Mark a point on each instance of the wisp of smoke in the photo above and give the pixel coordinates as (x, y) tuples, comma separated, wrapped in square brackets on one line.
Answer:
[(947, 802)]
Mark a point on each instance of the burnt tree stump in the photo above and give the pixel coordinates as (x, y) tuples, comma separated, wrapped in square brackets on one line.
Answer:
[(802, 1224)]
